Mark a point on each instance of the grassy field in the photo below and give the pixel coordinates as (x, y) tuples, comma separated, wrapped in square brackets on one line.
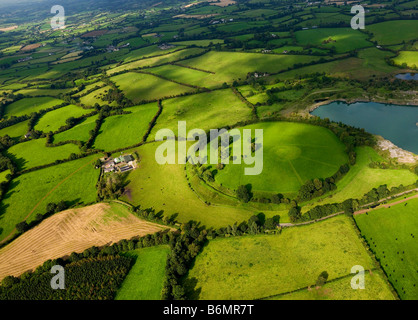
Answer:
[(146, 277), (15, 131), (79, 132), (293, 154), (34, 153), (343, 39), (391, 233), (393, 32), (410, 58), (205, 111), (255, 267), (125, 130), (96, 96), (140, 87), (54, 120), (29, 105), (361, 178), (164, 187), (70, 231), (229, 66), (376, 288), (29, 194)]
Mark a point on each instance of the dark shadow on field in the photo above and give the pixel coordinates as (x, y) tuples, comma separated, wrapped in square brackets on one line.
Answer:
[(250, 189), (192, 292), (20, 162)]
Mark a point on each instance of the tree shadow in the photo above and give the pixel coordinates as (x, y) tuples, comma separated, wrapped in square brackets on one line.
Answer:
[(192, 292)]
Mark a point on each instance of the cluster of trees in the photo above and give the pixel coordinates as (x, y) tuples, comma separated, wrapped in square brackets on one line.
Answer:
[(255, 225), (184, 249), (110, 186), (318, 187), (87, 279), (51, 208)]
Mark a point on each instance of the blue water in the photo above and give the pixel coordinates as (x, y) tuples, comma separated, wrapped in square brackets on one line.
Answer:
[(398, 124), (407, 76)]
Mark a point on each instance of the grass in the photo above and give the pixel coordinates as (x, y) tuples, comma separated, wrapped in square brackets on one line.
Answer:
[(410, 58), (344, 39), (34, 153), (391, 233), (54, 120), (165, 188), (140, 87), (30, 193), (96, 97), (361, 178), (293, 154), (28, 105), (145, 279), (393, 32), (125, 130), (255, 267), (376, 288), (230, 66), (15, 131), (205, 111), (79, 132)]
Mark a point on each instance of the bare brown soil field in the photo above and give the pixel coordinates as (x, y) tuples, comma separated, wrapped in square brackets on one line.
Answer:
[(31, 47), (8, 28), (93, 34), (70, 231), (223, 3)]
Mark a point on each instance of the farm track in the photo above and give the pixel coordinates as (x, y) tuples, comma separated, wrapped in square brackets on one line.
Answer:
[(70, 231)]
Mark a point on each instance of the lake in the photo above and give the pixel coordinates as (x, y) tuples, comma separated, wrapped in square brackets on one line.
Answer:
[(395, 123), (407, 76)]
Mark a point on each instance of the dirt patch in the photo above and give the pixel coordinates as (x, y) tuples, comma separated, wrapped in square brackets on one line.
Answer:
[(31, 47), (71, 231), (395, 152), (223, 3), (94, 34), (9, 28)]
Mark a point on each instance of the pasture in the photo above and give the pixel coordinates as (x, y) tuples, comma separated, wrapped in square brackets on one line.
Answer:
[(261, 266), (139, 87), (80, 132), (125, 130), (394, 32), (15, 131), (146, 278), (343, 39), (34, 153), (205, 111), (28, 105), (293, 154), (390, 233), (73, 230), (53, 120), (407, 58), (165, 188), (29, 194)]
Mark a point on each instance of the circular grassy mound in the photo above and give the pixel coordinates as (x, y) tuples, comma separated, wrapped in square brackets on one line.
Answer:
[(293, 154)]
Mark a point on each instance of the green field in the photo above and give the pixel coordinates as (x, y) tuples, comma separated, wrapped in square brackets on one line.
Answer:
[(79, 132), (125, 130), (96, 96), (140, 87), (391, 233), (204, 111), (34, 153), (408, 58), (293, 154), (146, 277), (394, 32), (337, 290), (28, 105), (30, 193), (255, 267), (343, 39), (54, 120), (361, 178), (164, 187), (15, 131)]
